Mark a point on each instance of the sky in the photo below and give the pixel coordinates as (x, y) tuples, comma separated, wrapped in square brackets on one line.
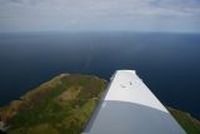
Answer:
[(100, 15)]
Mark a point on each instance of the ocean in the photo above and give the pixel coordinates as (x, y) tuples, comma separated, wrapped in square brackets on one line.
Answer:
[(168, 63)]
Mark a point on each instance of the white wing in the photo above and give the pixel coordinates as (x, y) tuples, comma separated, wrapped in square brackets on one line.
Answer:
[(129, 107)]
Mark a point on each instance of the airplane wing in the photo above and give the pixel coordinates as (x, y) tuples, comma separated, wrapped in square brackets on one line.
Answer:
[(129, 107)]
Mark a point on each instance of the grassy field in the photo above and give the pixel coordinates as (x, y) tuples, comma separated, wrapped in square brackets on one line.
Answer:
[(64, 105)]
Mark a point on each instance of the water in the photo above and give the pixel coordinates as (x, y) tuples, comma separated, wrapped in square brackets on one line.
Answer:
[(168, 63)]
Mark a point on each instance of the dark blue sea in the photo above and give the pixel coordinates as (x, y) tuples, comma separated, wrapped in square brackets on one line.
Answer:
[(168, 63)]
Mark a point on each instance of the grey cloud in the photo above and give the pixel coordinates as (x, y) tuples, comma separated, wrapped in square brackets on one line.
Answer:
[(26, 2), (16, 1), (177, 3), (115, 14)]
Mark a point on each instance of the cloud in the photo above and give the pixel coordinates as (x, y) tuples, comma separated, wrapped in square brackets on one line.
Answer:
[(99, 14), (16, 1)]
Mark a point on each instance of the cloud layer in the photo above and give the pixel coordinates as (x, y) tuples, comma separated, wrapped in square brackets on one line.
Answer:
[(100, 15)]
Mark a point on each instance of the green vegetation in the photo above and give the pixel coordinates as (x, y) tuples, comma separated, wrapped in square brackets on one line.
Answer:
[(64, 105), (190, 124)]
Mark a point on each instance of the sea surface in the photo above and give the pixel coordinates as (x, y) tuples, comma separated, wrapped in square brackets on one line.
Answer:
[(168, 63)]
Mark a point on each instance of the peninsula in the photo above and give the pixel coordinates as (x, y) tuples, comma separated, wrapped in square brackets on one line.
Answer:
[(65, 104)]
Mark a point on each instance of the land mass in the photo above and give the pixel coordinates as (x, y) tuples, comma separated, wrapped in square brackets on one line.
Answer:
[(64, 104)]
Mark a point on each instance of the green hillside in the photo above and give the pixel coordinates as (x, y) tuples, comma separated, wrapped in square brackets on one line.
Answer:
[(190, 124), (61, 105), (64, 105)]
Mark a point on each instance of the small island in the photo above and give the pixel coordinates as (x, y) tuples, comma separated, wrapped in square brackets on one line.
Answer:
[(65, 104)]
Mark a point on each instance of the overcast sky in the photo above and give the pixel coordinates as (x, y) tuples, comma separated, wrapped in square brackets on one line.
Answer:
[(100, 15)]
